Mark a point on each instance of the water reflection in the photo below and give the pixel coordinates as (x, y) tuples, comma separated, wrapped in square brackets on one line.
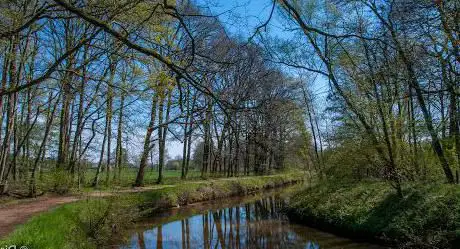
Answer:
[(258, 224)]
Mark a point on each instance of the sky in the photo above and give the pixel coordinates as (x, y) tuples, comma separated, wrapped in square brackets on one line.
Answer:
[(241, 18)]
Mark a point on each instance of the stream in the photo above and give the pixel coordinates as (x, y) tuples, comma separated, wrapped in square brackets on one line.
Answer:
[(234, 223)]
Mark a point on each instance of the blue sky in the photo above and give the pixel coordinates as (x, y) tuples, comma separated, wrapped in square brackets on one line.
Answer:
[(241, 18)]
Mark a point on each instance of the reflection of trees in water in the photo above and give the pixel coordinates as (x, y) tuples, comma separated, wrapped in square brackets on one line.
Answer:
[(264, 226), (160, 237), (253, 225), (256, 225)]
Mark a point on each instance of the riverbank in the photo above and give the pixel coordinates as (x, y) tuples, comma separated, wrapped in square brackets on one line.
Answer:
[(93, 221), (253, 221), (427, 217)]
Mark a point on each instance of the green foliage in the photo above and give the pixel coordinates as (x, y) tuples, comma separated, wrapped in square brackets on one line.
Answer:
[(427, 217), (356, 158), (352, 160), (61, 180), (99, 220)]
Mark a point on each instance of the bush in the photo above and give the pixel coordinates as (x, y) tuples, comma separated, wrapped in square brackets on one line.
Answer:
[(99, 220), (62, 181)]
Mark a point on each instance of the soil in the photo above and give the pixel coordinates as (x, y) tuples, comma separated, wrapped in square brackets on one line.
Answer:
[(17, 213)]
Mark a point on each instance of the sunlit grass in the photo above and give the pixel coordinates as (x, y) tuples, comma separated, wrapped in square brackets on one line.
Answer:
[(68, 226)]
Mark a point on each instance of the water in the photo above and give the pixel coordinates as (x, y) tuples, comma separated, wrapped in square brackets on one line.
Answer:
[(242, 223)]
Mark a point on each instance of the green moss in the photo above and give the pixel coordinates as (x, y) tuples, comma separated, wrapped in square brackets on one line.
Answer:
[(427, 217), (92, 222)]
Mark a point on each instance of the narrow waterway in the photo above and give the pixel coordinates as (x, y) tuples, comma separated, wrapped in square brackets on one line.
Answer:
[(236, 223)]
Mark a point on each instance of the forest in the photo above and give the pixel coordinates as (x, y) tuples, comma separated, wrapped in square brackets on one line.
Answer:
[(359, 98)]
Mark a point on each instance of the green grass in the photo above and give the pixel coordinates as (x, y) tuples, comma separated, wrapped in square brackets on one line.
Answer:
[(47, 182), (128, 176), (73, 225), (427, 217), (50, 179)]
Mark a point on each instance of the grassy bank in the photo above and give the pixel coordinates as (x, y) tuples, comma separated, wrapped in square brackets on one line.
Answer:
[(93, 222), (52, 182), (47, 181), (427, 216)]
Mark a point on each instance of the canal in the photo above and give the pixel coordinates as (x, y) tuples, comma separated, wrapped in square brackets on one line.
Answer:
[(235, 223)]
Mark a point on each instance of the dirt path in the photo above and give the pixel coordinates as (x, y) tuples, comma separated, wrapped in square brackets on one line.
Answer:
[(16, 214), (12, 215)]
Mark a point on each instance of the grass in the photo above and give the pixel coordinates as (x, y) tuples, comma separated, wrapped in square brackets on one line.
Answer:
[(128, 176), (91, 223), (50, 179), (47, 182), (427, 217)]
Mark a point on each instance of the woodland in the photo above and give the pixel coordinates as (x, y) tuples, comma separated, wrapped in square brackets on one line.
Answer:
[(97, 94)]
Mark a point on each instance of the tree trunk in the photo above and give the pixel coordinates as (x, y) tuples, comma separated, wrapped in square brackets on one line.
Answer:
[(109, 120), (101, 157), (41, 149), (163, 134), (207, 138), (119, 150), (145, 153)]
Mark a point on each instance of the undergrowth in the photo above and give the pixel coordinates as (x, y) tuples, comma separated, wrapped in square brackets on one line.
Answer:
[(427, 217)]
